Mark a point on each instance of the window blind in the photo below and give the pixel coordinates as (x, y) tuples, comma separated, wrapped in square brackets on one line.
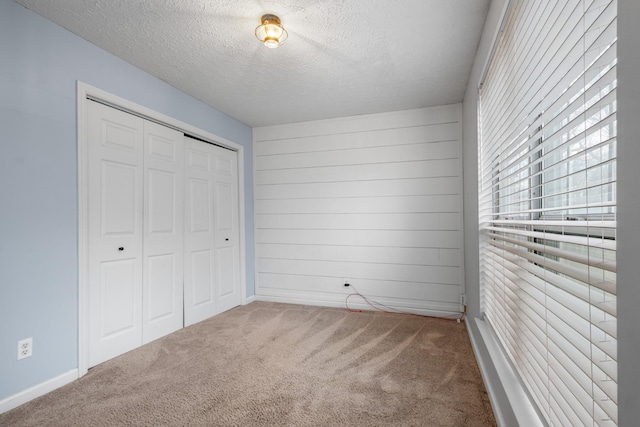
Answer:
[(547, 204)]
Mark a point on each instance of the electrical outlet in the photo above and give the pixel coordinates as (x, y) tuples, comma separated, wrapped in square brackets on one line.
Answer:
[(25, 348)]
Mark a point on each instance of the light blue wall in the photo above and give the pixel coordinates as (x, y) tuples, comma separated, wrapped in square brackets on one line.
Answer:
[(39, 66)]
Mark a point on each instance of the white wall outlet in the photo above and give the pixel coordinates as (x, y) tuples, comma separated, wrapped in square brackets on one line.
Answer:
[(25, 348)]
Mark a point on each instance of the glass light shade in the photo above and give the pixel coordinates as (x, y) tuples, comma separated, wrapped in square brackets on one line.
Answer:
[(271, 32), (271, 43)]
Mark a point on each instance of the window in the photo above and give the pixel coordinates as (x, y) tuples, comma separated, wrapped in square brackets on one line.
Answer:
[(547, 204)]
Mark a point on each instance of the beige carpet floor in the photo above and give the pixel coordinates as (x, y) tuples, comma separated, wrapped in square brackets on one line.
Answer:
[(268, 364)]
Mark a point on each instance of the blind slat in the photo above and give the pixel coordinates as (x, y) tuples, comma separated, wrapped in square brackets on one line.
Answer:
[(559, 267), (547, 204), (609, 265)]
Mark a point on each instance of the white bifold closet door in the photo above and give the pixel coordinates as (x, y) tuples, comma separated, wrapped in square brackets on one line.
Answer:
[(136, 238), (212, 251)]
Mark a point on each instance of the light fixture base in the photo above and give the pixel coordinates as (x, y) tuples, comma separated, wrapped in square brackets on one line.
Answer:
[(270, 32), (270, 19)]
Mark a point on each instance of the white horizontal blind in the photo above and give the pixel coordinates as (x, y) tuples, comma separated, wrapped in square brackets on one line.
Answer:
[(372, 199), (548, 203)]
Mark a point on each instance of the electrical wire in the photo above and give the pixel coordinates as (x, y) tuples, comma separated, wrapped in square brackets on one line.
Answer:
[(390, 310)]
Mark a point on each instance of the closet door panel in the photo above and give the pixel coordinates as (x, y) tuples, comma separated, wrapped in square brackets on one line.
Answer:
[(199, 258), (202, 273), (117, 288), (118, 204), (212, 283), (161, 298), (115, 184), (227, 235), (226, 278), (163, 237)]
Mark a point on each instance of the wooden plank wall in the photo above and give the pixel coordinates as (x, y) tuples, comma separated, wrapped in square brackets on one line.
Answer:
[(375, 200)]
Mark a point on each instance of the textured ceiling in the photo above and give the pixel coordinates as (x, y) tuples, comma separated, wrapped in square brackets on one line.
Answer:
[(342, 58)]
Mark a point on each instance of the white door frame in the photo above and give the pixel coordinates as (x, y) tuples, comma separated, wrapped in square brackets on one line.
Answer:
[(84, 93)]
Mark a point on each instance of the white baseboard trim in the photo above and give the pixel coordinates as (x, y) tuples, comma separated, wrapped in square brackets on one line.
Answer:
[(249, 300), (41, 389), (298, 300), (511, 403), (353, 304)]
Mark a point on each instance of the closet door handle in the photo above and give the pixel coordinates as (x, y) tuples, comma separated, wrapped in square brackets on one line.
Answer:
[(226, 240), (121, 249)]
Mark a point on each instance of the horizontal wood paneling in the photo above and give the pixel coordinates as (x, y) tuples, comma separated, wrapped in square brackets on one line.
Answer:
[(362, 270), (413, 297), (417, 291), (374, 200), (361, 139), (390, 238), (436, 168), (361, 205), (361, 254), (379, 221), (359, 124), (358, 156), (378, 188)]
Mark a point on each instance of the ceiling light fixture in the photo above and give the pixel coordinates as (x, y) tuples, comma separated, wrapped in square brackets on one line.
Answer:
[(271, 32)]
